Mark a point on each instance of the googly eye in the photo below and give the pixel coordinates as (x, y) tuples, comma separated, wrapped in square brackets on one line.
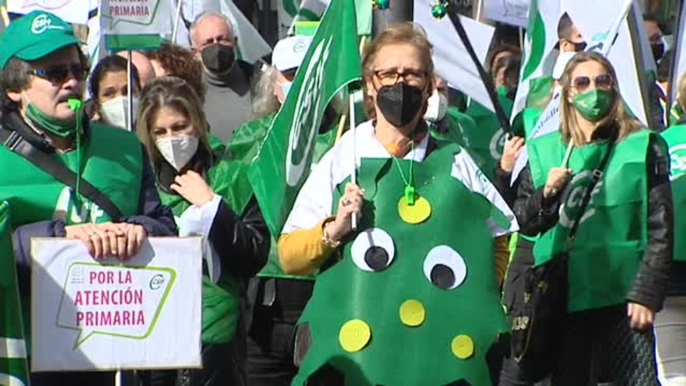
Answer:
[(373, 250), (444, 267)]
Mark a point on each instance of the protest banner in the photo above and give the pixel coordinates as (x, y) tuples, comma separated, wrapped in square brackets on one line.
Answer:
[(283, 162), (135, 26), (13, 365), (511, 12), (144, 313), (71, 11)]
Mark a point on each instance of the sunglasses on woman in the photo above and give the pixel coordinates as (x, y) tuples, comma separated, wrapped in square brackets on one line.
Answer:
[(60, 74), (582, 83)]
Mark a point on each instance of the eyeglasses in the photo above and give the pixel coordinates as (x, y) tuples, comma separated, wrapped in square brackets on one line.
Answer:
[(60, 74), (582, 83), (391, 77)]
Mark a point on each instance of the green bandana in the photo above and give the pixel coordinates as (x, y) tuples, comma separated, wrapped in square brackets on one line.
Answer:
[(593, 104), (58, 127)]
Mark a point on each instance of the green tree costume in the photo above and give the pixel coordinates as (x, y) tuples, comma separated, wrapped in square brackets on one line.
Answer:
[(611, 239), (428, 311)]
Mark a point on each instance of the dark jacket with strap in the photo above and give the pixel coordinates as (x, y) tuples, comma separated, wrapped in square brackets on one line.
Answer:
[(535, 215), (240, 239)]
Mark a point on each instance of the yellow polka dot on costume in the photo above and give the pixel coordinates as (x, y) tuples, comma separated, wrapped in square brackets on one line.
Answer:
[(354, 335), (412, 313), (462, 346), (414, 214)]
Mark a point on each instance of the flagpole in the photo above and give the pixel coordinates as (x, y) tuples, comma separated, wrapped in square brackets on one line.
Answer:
[(674, 71), (129, 117), (353, 172), (5, 15), (488, 82), (177, 17)]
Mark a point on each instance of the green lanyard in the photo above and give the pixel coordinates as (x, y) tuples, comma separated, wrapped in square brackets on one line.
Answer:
[(409, 191)]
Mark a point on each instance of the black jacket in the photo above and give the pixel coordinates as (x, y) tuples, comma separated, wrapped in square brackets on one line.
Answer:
[(240, 239), (537, 215)]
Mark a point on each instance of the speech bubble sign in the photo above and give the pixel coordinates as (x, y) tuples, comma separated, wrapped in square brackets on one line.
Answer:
[(114, 300)]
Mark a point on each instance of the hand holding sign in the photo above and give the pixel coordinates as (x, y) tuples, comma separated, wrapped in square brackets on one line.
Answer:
[(104, 240)]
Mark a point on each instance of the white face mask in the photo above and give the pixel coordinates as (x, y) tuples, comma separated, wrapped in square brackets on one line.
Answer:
[(437, 107), (177, 150), (285, 89), (115, 111), (561, 63)]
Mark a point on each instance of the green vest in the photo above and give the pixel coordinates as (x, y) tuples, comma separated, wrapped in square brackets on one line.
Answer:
[(220, 301), (244, 146), (455, 237), (676, 141), (112, 161), (612, 234)]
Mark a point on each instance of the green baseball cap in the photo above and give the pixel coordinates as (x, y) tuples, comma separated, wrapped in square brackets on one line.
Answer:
[(34, 36)]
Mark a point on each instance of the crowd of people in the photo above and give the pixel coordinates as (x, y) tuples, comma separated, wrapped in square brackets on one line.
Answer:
[(412, 273)]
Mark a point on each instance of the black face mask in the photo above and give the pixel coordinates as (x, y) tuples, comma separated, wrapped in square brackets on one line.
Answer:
[(579, 47), (658, 51), (218, 58), (399, 103)]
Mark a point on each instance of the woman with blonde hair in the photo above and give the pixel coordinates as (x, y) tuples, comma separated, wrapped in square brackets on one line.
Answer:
[(598, 194), (210, 197), (406, 281)]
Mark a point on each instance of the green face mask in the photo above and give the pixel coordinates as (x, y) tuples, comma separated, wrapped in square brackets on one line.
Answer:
[(593, 104), (58, 127)]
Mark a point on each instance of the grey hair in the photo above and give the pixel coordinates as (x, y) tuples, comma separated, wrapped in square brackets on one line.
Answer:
[(265, 101), (202, 16)]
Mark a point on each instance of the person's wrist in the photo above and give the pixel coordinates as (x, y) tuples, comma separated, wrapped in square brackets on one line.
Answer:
[(329, 238)]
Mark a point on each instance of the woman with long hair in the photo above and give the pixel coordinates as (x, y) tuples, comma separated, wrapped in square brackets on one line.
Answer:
[(210, 197), (598, 194)]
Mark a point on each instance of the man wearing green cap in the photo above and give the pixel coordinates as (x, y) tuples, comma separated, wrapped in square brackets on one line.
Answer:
[(64, 176)]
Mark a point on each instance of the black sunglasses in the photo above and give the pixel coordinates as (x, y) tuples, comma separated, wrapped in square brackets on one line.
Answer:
[(60, 74)]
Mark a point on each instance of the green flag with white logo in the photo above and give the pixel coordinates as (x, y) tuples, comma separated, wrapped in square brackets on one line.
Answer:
[(538, 54), (13, 364), (676, 140), (283, 162)]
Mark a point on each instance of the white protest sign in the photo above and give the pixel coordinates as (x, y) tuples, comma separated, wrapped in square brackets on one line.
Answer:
[(450, 56), (136, 25), (88, 315), (71, 11), (512, 12)]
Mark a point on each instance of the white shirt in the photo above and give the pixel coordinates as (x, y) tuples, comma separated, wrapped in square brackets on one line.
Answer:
[(315, 199)]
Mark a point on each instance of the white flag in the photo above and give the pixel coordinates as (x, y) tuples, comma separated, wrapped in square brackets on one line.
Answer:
[(450, 56)]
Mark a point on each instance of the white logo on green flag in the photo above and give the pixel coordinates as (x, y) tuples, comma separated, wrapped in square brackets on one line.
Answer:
[(306, 115)]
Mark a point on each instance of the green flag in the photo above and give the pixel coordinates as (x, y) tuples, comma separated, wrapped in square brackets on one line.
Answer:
[(13, 364), (283, 162)]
